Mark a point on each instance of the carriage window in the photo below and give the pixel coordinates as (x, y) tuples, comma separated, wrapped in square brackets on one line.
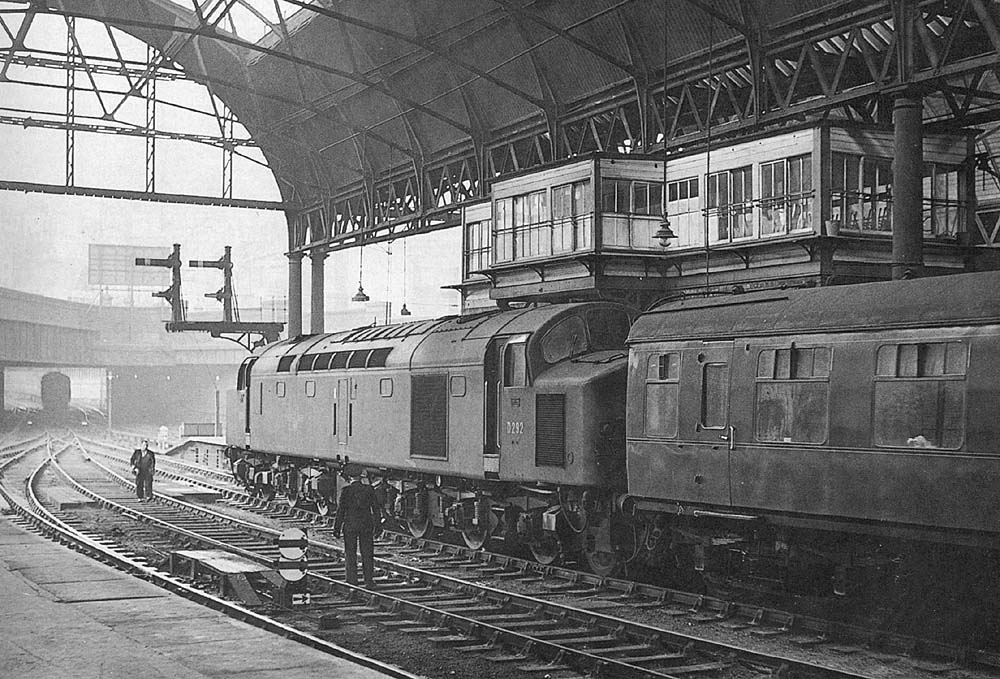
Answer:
[(920, 395), (714, 395), (310, 388), (793, 391), (279, 389), (662, 394), (566, 339), (515, 369)]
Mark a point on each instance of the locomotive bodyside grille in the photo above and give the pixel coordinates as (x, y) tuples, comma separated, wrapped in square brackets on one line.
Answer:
[(429, 416), (550, 430)]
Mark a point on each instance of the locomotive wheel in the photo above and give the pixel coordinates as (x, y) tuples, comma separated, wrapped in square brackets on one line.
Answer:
[(322, 506), (545, 549), (420, 528), (265, 492), (477, 536), (604, 564)]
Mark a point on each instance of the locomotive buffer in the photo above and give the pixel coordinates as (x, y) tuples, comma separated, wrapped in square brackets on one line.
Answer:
[(230, 327)]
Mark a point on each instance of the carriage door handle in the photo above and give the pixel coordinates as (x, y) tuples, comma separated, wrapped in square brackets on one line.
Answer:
[(730, 436)]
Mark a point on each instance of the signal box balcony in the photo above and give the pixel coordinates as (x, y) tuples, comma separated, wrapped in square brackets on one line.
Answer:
[(811, 205)]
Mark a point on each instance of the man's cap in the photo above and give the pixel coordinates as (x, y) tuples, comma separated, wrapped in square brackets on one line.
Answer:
[(353, 471)]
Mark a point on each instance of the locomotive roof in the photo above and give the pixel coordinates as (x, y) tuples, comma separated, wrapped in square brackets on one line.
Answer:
[(960, 299), (451, 339)]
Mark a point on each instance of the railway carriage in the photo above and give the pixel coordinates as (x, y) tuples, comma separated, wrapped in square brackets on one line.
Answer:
[(829, 425), (506, 423)]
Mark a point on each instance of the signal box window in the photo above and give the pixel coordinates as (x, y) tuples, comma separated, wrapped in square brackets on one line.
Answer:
[(662, 394), (684, 211), (793, 393), (920, 395)]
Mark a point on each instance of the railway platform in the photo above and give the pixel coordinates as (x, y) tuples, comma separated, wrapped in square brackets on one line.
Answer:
[(65, 615)]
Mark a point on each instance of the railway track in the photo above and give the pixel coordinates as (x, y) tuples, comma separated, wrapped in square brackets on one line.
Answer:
[(625, 597), (511, 610)]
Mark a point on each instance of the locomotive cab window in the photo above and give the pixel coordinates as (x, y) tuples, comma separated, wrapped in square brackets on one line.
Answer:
[(793, 391), (920, 395), (566, 339), (515, 365), (662, 394)]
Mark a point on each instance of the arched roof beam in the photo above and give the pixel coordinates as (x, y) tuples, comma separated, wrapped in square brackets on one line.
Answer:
[(237, 42), (721, 16), (422, 44), (566, 33)]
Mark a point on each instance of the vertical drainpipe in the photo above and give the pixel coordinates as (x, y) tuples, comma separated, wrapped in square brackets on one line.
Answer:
[(316, 309), (294, 294), (907, 187)]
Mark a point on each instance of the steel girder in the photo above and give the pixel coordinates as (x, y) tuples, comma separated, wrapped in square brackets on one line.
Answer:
[(753, 72)]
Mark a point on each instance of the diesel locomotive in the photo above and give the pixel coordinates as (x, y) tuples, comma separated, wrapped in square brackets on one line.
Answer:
[(505, 423), (829, 427)]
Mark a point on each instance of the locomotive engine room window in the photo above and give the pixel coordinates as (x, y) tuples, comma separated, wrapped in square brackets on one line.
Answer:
[(310, 388), (279, 389), (714, 395), (285, 363), (458, 385), (920, 395), (566, 339), (339, 360), (793, 393), (515, 367), (358, 359), (385, 387), (662, 388)]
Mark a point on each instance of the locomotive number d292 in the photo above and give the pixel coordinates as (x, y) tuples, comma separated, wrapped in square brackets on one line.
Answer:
[(515, 428)]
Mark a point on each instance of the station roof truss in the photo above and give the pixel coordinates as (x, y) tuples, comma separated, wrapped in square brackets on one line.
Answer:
[(381, 120)]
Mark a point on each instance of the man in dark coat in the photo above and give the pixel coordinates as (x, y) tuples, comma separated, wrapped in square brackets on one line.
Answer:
[(143, 465), (358, 515)]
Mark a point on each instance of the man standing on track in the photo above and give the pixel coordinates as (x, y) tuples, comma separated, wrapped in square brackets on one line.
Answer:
[(358, 514), (143, 465)]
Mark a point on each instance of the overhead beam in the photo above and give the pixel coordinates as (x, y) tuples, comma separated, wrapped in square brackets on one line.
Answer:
[(181, 198)]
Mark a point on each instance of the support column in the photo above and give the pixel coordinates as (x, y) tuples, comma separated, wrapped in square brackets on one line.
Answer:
[(316, 308), (907, 187), (294, 294)]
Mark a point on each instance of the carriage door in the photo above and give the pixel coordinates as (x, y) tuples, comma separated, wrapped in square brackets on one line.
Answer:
[(707, 477), (342, 412)]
